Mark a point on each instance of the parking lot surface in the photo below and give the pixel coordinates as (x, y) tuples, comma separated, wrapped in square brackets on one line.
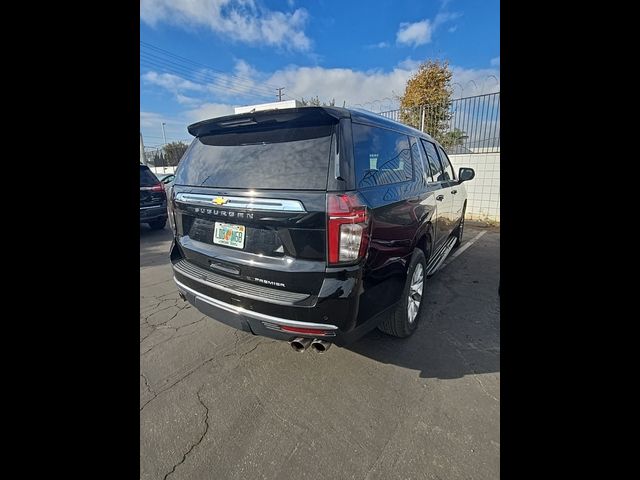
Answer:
[(216, 403)]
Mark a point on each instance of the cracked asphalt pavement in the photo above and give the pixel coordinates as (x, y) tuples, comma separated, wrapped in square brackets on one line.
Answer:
[(217, 403)]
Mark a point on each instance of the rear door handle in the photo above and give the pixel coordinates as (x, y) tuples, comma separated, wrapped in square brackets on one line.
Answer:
[(453, 192), (440, 198)]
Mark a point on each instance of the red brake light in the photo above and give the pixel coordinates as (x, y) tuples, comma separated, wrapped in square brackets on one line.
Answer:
[(159, 187), (347, 228)]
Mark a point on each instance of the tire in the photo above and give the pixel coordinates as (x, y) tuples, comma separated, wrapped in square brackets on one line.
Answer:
[(158, 224), (399, 324), (460, 228)]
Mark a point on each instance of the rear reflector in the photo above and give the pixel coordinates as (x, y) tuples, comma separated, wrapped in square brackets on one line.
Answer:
[(307, 331)]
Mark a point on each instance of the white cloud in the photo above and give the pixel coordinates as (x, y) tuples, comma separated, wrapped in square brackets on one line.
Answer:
[(409, 64), (375, 90), (443, 17), (238, 20), (495, 62), (468, 82), (171, 82), (150, 119), (418, 33), (185, 100), (208, 82), (378, 45), (208, 110)]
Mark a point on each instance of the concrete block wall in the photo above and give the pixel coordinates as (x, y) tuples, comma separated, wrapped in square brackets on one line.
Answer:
[(483, 192), (159, 170)]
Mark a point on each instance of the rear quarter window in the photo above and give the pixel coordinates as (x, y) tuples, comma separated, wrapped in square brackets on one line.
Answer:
[(147, 178), (382, 156), (449, 173), (434, 163)]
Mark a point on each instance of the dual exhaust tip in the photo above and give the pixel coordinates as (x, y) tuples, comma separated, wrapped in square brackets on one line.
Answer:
[(301, 344)]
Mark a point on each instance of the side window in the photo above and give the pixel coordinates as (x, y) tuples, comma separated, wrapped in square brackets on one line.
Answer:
[(446, 163), (434, 164), (381, 156), (419, 161)]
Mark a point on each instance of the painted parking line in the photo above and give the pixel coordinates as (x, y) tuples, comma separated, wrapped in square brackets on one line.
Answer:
[(463, 248)]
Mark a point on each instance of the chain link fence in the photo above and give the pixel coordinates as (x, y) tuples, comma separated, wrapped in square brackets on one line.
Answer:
[(462, 125)]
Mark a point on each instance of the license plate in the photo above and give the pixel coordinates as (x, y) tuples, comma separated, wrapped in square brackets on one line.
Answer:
[(229, 234)]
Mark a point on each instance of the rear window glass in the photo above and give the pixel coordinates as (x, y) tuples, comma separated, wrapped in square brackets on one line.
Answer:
[(147, 178), (382, 156), (282, 158)]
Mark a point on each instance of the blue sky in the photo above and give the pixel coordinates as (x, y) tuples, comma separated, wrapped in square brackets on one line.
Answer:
[(200, 58)]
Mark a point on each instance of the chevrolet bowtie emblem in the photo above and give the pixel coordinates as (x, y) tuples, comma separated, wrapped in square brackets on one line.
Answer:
[(220, 200)]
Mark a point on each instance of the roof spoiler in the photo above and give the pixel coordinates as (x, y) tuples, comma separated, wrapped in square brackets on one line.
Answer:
[(286, 117)]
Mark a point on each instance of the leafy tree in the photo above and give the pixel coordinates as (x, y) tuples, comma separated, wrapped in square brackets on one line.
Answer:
[(430, 88), (157, 158), (315, 102), (454, 138), (173, 152)]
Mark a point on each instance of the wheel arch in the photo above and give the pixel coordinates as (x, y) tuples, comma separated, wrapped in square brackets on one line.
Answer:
[(424, 240)]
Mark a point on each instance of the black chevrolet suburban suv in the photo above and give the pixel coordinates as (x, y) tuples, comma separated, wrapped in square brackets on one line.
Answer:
[(313, 225)]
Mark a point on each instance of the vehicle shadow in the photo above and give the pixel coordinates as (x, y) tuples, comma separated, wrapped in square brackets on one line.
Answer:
[(457, 337), (154, 245)]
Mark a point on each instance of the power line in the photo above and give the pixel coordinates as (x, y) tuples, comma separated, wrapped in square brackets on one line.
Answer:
[(186, 60), (214, 78), (200, 78)]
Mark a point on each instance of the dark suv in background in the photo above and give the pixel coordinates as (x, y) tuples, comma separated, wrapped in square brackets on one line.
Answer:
[(313, 225), (153, 199)]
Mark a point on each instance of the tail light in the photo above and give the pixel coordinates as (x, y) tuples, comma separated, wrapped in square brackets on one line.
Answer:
[(159, 187), (347, 228), (170, 212)]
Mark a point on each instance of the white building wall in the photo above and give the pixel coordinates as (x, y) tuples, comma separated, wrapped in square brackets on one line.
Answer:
[(159, 170), (483, 192)]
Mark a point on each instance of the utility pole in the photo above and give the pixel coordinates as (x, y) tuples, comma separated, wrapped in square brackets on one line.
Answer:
[(280, 93), (163, 134), (143, 159)]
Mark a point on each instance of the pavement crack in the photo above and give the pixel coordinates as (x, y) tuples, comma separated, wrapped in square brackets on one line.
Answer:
[(178, 312), (476, 375), (173, 336), (235, 345), (484, 388), (181, 379), (153, 311), (255, 346), (206, 429), (146, 383)]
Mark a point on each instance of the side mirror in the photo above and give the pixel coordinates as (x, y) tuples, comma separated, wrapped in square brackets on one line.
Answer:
[(466, 174)]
